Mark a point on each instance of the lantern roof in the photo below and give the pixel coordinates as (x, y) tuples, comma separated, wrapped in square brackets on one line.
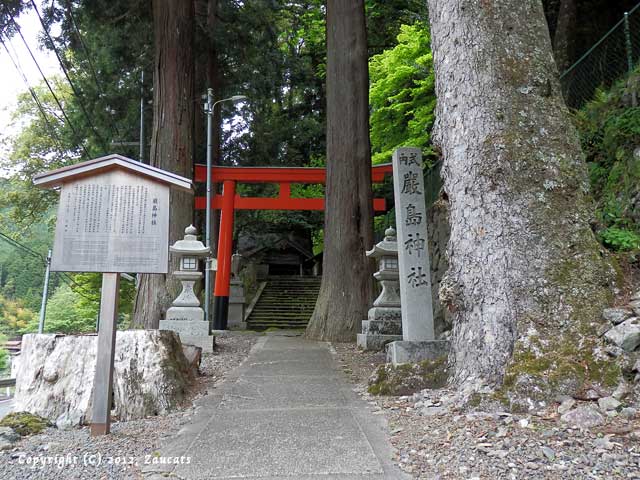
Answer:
[(190, 245), (387, 247)]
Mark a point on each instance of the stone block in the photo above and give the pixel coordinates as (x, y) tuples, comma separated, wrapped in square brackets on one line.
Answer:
[(375, 342), (185, 314), (381, 327), (387, 314), (235, 318), (625, 335), (56, 373), (236, 289), (413, 352), (616, 315), (205, 343), (190, 328)]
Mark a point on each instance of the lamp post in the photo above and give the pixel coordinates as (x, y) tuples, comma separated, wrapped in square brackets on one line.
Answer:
[(209, 107)]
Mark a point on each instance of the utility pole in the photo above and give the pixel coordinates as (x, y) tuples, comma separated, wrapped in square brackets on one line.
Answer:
[(210, 106), (45, 293), (207, 242), (142, 142)]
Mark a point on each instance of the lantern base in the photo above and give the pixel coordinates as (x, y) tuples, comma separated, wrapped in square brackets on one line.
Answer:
[(375, 342), (186, 321), (189, 328)]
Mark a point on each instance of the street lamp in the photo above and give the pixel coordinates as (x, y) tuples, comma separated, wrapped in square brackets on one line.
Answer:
[(209, 107)]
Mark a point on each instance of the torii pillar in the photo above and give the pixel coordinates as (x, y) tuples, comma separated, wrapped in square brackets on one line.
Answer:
[(225, 249)]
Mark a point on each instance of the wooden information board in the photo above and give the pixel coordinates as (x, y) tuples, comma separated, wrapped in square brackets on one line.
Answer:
[(114, 222), (113, 218)]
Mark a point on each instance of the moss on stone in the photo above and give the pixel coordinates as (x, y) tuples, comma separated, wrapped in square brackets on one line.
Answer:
[(409, 378), (25, 423), (560, 368)]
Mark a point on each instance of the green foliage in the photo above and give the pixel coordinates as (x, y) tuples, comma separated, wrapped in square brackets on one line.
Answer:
[(63, 314), (386, 17), (402, 94), (609, 128), (274, 52), (74, 308), (22, 273), (620, 239), (117, 36), (4, 355), (15, 318), (87, 287), (35, 149)]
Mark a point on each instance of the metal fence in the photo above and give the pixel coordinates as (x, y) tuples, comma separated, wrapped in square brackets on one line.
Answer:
[(609, 60)]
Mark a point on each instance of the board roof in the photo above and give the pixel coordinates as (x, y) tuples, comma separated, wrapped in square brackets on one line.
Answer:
[(54, 178)]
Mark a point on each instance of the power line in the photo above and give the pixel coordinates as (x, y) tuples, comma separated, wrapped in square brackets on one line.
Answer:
[(84, 47), (19, 245), (35, 98), (44, 77), (80, 290), (66, 74), (87, 55), (66, 278)]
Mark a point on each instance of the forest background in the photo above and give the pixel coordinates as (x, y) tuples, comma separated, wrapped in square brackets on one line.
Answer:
[(274, 52)]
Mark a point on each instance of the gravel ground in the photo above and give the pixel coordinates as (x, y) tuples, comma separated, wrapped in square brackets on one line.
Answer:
[(435, 440), (74, 454)]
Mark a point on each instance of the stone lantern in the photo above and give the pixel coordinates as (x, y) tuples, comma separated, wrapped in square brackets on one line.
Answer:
[(384, 322), (185, 315)]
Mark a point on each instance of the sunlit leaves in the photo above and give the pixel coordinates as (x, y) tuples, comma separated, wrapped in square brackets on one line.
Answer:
[(402, 94)]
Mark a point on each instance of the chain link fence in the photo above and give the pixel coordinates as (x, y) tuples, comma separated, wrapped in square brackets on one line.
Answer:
[(610, 59)]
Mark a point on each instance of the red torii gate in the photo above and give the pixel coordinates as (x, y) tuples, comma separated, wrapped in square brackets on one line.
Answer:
[(229, 201)]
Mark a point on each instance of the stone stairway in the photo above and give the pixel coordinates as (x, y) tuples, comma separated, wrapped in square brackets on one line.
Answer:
[(286, 302)]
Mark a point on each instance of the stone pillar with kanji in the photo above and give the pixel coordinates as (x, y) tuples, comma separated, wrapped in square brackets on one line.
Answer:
[(418, 335)]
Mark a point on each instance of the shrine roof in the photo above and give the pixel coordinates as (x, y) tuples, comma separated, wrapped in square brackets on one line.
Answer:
[(281, 244), (54, 178)]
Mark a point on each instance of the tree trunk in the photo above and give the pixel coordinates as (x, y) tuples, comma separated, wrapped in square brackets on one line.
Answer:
[(346, 290), (174, 103), (527, 279), (214, 77), (564, 34)]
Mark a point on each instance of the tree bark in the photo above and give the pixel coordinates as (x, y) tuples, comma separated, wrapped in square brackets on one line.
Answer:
[(174, 103), (346, 289), (214, 77), (563, 37), (527, 278)]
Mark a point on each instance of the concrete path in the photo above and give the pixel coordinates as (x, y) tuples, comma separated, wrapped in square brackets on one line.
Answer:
[(287, 412)]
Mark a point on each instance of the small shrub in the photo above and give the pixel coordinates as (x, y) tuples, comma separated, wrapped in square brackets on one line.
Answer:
[(4, 358), (620, 239)]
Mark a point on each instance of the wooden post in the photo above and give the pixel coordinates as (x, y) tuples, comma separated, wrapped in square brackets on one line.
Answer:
[(103, 380)]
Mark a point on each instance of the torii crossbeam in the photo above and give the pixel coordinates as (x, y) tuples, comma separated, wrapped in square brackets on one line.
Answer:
[(229, 201)]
